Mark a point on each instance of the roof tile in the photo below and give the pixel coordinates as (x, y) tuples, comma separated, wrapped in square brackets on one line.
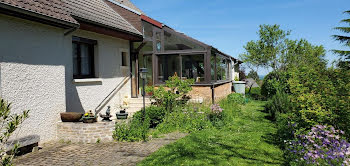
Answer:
[(51, 8), (97, 11)]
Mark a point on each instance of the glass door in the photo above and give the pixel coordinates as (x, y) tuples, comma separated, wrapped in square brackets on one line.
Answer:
[(145, 61)]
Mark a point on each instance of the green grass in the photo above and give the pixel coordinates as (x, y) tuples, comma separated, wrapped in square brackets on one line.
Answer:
[(244, 141)]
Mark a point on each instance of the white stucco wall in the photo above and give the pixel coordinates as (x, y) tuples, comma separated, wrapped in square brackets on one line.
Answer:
[(36, 74), (85, 96), (32, 73)]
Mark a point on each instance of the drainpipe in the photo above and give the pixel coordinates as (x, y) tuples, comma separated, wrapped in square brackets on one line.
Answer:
[(71, 31)]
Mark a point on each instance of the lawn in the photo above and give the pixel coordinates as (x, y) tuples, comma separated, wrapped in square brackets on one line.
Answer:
[(245, 141)]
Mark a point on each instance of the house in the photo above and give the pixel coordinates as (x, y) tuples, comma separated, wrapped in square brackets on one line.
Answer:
[(77, 55), (59, 56), (166, 52), (251, 83)]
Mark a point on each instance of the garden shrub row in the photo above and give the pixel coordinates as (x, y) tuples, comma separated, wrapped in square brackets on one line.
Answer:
[(311, 106), (171, 112)]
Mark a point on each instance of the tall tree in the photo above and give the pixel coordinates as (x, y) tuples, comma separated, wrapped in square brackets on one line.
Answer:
[(344, 39), (266, 51)]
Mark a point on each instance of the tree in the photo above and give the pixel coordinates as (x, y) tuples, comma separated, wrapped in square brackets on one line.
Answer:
[(253, 74), (343, 38), (266, 51)]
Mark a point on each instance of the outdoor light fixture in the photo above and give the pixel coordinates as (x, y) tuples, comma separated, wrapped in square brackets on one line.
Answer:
[(143, 75)]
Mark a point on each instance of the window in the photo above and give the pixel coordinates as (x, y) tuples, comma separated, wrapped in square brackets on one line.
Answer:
[(175, 41), (83, 57), (193, 67), (168, 66), (124, 59)]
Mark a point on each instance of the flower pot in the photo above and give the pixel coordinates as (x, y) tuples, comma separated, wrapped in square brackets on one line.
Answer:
[(71, 116), (89, 119), (239, 87), (122, 114)]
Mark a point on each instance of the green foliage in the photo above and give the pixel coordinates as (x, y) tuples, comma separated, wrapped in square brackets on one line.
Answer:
[(154, 113), (236, 98), (279, 103), (188, 120), (253, 74), (274, 81), (133, 131), (344, 39), (254, 93), (10, 123), (266, 51), (173, 94), (242, 141)]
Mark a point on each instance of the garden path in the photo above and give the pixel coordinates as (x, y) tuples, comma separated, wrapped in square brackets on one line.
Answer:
[(101, 154)]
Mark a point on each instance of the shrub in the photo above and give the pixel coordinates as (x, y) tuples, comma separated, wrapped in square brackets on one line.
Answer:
[(274, 81), (185, 120), (10, 122), (236, 98), (255, 93), (321, 146), (215, 115), (134, 131), (279, 103), (154, 113), (173, 94)]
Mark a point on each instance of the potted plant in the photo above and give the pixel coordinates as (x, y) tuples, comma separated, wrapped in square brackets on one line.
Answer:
[(122, 114), (89, 117), (239, 86)]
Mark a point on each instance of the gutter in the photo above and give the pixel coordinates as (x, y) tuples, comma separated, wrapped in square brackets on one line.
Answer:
[(70, 31)]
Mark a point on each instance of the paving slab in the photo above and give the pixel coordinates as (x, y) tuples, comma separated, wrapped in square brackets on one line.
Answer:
[(101, 154)]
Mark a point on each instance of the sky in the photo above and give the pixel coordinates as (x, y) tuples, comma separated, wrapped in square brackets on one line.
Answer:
[(229, 24)]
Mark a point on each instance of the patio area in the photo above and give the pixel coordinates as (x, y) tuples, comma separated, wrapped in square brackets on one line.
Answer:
[(102, 154)]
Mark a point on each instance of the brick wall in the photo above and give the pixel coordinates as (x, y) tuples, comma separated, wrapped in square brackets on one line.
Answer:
[(205, 92), (201, 92), (222, 91), (131, 17), (85, 132)]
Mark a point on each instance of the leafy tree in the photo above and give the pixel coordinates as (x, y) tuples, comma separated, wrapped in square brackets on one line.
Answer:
[(343, 38), (267, 51), (253, 74)]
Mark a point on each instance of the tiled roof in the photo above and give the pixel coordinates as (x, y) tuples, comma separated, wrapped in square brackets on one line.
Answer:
[(55, 9), (129, 4), (97, 11)]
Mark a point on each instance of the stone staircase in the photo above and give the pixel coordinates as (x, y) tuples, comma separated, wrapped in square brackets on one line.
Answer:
[(136, 104)]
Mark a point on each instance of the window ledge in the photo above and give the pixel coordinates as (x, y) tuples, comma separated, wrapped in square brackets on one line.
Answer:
[(87, 80)]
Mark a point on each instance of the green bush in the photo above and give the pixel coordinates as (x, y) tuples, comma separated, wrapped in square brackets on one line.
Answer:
[(154, 113), (236, 98), (185, 120), (279, 103), (173, 94), (133, 131), (274, 81), (255, 93)]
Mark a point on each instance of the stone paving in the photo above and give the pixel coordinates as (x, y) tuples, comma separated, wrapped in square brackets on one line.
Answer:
[(101, 154)]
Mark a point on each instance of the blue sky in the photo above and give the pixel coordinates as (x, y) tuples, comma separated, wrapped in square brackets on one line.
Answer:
[(229, 24)]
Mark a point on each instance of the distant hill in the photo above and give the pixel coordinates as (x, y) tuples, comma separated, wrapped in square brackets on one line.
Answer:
[(261, 77)]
